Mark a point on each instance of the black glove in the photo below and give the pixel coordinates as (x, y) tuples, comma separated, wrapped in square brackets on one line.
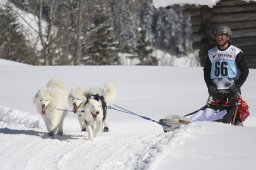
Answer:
[(212, 90), (233, 89)]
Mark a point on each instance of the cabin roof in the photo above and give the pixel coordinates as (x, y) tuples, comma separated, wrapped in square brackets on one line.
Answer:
[(166, 3)]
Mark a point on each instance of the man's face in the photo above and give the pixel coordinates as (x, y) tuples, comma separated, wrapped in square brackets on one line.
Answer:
[(222, 39)]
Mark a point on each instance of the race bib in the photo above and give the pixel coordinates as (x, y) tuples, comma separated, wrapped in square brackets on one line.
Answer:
[(223, 69), (223, 63)]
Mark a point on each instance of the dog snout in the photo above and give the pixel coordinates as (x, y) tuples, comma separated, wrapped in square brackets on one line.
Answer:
[(97, 112), (43, 109), (44, 106), (75, 108)]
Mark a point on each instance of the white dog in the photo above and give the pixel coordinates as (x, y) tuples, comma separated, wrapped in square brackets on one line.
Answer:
[(93, 118), (52, 101), (91, 107), (104, 96), (77, 99)]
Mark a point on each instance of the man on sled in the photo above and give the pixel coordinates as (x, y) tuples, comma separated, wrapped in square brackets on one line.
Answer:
[(225, 71)]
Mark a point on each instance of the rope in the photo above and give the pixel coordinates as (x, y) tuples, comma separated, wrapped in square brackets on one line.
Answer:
[(121, 109), (66, 110)]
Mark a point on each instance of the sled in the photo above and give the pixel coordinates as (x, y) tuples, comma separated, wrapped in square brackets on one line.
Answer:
[(172, 122)]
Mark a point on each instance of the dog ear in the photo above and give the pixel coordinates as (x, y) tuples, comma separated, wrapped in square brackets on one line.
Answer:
[(97, 97), (88, 96)]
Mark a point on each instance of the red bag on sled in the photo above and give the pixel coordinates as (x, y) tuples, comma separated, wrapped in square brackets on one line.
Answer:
[(243, 110)]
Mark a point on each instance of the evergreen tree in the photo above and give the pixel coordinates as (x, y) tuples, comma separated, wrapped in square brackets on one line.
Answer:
[(109, 27), (102, 46), (144, 50), (13, 45)]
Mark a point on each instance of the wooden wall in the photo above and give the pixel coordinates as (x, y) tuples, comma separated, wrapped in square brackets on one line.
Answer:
[(239, 15)]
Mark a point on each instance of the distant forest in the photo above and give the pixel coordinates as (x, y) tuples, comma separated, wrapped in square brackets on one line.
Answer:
[(92, 32)]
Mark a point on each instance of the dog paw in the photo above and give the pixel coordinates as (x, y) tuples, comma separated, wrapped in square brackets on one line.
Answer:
[(91, 139), (106, 129), (60, 133), (83, 130), (50, 134)]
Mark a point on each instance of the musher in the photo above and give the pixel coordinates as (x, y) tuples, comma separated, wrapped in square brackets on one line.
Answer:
[(225, 71)]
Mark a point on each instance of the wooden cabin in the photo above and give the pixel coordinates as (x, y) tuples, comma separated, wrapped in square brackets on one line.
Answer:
[(239, 15)]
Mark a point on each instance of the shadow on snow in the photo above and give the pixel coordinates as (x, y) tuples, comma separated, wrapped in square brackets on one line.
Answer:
[(43, 135)]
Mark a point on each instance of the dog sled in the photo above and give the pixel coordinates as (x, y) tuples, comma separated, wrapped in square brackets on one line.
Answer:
[(219, 109), (222, 108)]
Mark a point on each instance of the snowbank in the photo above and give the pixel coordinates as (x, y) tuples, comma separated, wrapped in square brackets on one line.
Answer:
[(11, 116)]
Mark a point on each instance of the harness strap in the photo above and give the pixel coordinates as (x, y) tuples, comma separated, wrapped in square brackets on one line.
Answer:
[(121, 109)]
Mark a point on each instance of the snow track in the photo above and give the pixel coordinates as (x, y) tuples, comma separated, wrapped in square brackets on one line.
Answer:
[(113, 151), (25, 145), (135, 152)]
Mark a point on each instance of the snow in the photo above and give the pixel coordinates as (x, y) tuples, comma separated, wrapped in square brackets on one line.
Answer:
[(165, 59), (189, 60), (10, 63), (165, 3), (28, 24), (133, 142)]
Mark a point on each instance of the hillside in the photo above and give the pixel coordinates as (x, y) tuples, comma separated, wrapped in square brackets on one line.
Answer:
[(111, 30)]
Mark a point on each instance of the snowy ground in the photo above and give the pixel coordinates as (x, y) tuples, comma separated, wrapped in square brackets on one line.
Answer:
[(132, 143)]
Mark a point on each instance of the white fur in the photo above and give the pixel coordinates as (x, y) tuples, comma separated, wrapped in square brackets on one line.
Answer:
[(52, 97), (93, 117), (77, 97), (109, 92)]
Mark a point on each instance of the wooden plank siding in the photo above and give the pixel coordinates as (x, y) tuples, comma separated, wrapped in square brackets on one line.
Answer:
[(239, 15)]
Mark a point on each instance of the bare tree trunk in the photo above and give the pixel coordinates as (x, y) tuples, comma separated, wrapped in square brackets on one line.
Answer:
[(46, 38), (78, 28), (40, 32)]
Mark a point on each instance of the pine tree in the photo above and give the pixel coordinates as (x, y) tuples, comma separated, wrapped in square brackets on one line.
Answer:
[(13, 45), (144, 50), (102, 47)]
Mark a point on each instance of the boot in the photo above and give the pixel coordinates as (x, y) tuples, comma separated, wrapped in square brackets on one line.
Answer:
[(238, 123)]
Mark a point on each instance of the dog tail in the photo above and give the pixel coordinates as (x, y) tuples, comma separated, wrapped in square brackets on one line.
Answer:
[(58, 83), (111, 92)]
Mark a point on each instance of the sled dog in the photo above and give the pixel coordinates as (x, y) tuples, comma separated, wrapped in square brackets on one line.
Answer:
[(52, 101), (91, 107), (93, 116), (77, 99)]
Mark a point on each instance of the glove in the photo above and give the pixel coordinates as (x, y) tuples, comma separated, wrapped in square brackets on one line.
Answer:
[(212, 90), (233, 89)]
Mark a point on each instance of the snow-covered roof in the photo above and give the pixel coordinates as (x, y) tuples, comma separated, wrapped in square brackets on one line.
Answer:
[(165, 3)]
